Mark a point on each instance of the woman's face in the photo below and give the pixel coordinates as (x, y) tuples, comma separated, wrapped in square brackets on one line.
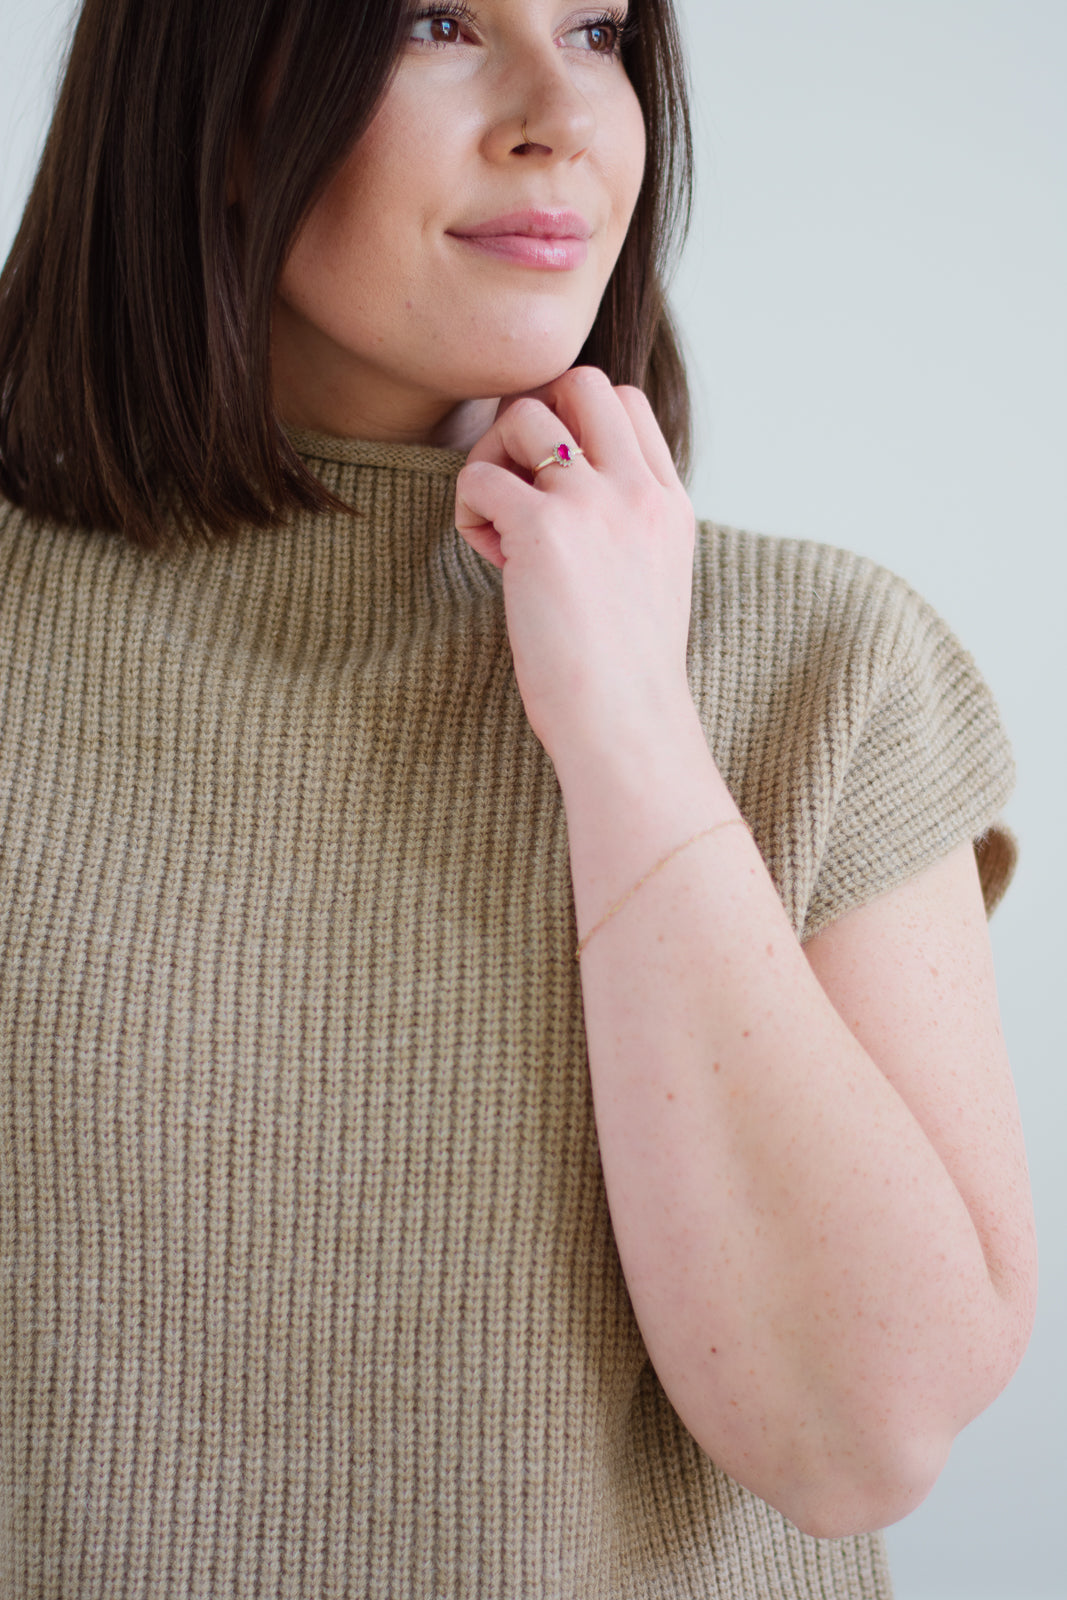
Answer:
[(462, 250)]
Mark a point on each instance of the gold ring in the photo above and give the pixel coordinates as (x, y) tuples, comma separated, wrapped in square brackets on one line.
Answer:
[(564, 455)]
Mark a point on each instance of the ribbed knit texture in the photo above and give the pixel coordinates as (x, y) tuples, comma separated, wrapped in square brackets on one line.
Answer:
[(308, 1282)]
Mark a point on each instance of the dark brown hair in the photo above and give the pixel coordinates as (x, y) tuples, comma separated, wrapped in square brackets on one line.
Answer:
[(135, 308)]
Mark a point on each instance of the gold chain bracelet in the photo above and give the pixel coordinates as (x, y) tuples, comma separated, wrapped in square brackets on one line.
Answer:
[(731, 822)]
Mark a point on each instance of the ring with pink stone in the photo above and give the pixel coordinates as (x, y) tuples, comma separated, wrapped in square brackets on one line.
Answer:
[(564, 455)]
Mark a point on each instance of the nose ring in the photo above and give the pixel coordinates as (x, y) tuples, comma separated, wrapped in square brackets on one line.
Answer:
[(525, 135)]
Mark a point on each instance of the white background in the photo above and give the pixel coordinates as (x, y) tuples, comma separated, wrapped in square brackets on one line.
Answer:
[(875, 305), (874, 302)]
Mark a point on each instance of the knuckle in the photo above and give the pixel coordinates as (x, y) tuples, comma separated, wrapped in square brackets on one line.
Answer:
[(588, 378), (647, 504), (526, 410)]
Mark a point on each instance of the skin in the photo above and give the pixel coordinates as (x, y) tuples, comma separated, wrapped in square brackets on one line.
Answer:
[(812, 1155), (387, 325)]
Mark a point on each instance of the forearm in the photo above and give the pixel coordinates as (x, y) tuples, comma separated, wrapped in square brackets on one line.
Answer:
[(804, 1270)]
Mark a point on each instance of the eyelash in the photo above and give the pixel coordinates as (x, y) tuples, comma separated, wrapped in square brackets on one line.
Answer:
[(624, 25)]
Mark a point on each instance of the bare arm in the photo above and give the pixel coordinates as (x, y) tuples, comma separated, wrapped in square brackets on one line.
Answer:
[(812, 1158)]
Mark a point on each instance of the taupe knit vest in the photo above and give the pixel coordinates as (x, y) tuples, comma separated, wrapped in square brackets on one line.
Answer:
[(308, 1282)]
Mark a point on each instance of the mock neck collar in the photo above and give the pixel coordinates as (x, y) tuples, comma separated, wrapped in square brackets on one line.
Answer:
[(315, 447), (391, 568)]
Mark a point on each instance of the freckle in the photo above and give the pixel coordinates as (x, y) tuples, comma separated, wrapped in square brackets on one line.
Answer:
[(715, 1066), (934, 972), (770, 949), (735, 1402)]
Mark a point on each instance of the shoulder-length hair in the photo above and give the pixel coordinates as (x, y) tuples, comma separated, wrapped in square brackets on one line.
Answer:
[(135, 307)]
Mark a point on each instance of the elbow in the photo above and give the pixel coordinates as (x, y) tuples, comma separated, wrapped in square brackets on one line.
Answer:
[(830, 1503), (883, 1482), (846, 1510)]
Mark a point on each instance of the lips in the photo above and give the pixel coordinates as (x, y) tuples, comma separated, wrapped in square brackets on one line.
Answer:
[(528, 225), (549, 240)]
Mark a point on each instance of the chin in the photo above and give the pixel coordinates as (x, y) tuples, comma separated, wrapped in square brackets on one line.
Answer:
[(517, 353), (518, 376)]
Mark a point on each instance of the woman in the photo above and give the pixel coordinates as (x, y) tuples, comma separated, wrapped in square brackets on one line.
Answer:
[(361, 666)]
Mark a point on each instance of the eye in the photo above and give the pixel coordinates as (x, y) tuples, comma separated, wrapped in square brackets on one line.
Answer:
[(435, 30), (601, 37), (441, 27)]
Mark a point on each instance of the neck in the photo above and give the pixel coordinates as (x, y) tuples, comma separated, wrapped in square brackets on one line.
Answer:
[(457, 428), (350, 400)]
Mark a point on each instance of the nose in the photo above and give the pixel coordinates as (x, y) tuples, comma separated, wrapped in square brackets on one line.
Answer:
[(542, 113)]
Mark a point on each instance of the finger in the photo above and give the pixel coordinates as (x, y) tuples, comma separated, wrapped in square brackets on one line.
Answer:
[(654, 447), (492, 504), (582, 398), (484, 541), (530, 433), (494, 445), (586, 402)]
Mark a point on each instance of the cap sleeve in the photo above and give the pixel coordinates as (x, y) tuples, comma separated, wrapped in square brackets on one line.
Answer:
[(929, 768)]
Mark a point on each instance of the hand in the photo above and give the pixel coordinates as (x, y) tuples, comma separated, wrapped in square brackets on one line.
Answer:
[(597, 557)]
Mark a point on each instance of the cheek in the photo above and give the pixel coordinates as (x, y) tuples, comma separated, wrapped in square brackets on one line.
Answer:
[(364, 202), (348, 210), (341, 258), (638, 149), (626, 156)]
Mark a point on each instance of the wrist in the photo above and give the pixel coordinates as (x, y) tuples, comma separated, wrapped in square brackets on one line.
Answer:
[(631, 757), (632, 799)]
